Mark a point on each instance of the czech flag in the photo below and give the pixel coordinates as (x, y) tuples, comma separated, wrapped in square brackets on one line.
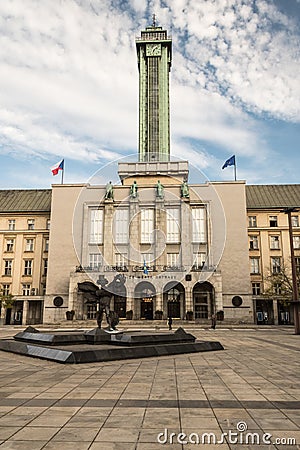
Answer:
[(59, 166)]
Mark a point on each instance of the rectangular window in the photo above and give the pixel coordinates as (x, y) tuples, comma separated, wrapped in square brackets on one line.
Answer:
[(12, 224), (45, 267), (46, 245), (121, 226), (173, 224), (253, 242), (273, 221), (48, 224), (5, 289), (173, 259), (199, 224), (254, 265), (275, 264), (10, 245), (295, 221), (95, 260), (296, 242), (297, 261), (277, 288), (147, 258), (121, 259), (96, 229), (252, 221), (7, 267), (26, 289), (30, 224), (256, 288), (29, 245), (199, 260), (274, 242), (147, 226), (28, 267)]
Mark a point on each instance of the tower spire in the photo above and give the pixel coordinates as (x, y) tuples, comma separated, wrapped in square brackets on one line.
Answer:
[(153, 20)]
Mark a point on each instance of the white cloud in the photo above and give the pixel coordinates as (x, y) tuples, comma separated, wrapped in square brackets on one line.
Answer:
[(69, 77)]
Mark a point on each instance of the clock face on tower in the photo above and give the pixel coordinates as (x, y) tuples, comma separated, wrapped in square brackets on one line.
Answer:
[(153, 50)]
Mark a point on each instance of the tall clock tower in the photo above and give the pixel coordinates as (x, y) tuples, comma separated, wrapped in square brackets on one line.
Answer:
[(154, 53)]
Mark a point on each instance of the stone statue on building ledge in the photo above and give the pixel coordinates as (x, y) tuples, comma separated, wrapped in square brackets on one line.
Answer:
[(184, 190), (109, 192), (134, 190), (159, 190)]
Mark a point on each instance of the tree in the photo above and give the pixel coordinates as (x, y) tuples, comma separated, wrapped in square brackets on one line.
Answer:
[(6, 300), (280, 284)]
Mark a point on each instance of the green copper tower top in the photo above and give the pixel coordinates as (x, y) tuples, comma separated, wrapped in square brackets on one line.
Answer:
[(154, 53)]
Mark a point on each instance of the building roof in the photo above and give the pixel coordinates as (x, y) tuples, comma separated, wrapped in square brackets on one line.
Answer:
[(273, 196), (25, 200)]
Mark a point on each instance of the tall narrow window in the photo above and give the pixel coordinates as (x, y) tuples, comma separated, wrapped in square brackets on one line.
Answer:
[(273, 221), (173, 225), (296, 242), (121, 259), (7, 267), (29, 245), (28, 267), (10, 245), (26, 288), (199, 224), (295, 221), (12, 224), (199, 260), (254, 265), (276, 264), (147, 225), (253, 242), (96, 230), (173, 259), (121, 226), (45, 267), (256, 289), (5, 289)]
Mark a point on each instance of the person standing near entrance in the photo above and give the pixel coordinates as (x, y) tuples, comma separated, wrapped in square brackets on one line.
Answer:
[(213, 321), (170, 322)]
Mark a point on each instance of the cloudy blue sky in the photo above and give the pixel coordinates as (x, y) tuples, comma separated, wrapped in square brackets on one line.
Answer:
[(69, 86)]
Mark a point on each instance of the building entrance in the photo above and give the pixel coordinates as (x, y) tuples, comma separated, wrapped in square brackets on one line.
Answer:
[(120, 306), (144, 295), (203, 299), (147, 308)]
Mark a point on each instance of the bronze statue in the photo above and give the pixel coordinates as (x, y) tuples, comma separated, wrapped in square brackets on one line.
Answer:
[(109, 193), (184, 190), (159, 190), (133, 190)]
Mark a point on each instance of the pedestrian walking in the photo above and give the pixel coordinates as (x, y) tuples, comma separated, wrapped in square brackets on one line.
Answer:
[(170, 321), (213, 321)]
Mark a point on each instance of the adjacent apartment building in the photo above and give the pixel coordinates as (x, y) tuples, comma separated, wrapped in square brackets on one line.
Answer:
[(24, 241)]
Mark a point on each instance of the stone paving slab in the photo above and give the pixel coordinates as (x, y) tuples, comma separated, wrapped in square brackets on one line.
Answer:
[(126, 405)]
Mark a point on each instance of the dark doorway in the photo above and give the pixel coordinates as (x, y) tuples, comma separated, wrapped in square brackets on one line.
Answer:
[(203, 299), (264, 312), (8, 316), (147, 308), (120, 306), (174, 300)]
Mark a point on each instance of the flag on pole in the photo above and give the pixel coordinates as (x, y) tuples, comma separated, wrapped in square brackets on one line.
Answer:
[(229, 162), (145, 270), (59, 166)]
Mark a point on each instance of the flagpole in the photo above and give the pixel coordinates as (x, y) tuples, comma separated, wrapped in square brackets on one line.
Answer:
[(234, 169), (62, 174)]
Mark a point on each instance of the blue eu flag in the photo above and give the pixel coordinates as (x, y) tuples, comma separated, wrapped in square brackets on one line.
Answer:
[(145, 268), (229, 162)]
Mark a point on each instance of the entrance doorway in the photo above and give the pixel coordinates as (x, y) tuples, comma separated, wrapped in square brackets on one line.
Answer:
[(174, 300), (264, 312), (120, 306), (203, 300), (144, 295)]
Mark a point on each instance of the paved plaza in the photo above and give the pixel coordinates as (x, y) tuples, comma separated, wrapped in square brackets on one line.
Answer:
[(125, 405)]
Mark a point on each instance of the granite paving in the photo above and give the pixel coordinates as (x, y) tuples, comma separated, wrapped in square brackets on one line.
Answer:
[(245, 397)]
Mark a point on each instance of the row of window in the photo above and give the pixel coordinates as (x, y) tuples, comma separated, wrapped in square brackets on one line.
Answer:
[(274, 242), (121, 259), (28, 245), (30, 224), (257, 288), (147, 225), (273, 221), (276, 264), (28, 267), (26, 289)]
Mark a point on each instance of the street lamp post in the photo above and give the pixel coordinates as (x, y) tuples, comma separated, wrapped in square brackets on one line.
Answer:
[(296, 302)]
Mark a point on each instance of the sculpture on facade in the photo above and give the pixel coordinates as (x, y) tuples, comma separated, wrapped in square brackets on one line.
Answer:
[(109, 192), (184, 190), (159, 190), (134, 190)]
